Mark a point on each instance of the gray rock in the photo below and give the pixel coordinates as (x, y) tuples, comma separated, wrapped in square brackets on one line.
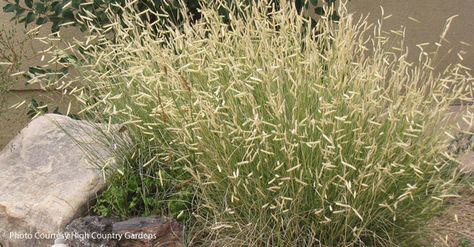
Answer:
[(46, 180)]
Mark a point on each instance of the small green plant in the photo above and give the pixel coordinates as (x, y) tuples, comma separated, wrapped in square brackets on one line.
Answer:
[(464, 242), (145, 185), (37, 108), (280, 138)]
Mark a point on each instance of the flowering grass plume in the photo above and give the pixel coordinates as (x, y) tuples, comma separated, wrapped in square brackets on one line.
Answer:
[(288, 135)]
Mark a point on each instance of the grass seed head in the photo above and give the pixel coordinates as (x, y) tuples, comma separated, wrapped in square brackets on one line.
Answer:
[(292, 135)]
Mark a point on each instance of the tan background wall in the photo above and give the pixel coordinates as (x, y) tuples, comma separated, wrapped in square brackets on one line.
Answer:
[(32, 46), (13, 120), (432, 15)]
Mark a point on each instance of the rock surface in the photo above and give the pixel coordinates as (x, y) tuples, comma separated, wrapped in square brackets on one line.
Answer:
[(80, 232), (46, 180), (94, 231)]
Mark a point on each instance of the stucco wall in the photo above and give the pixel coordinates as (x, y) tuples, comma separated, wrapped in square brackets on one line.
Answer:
[(13, 120), (425, 20), (33, 47)]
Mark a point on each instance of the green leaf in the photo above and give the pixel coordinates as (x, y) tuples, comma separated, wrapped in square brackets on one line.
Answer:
[(37, 70), (68, 14), (64, 70), (319, 10), (57, 7), (29, 3), (30, 18), (335, 16), (83, 28), (314, 2), (76, 3), (9, 8), (55, 27), (41, 20), (19, 11), (31, 113), (102, 17), (40, 8), (34, 103), (176, 4)]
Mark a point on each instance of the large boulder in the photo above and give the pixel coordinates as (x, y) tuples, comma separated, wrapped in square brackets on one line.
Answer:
[(46, 179)]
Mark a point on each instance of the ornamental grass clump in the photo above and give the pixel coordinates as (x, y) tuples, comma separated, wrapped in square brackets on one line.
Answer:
[(288, 135)]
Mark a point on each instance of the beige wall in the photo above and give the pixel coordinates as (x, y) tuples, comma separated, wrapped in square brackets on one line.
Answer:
[(13, 120), (32, 58), (432, 15)]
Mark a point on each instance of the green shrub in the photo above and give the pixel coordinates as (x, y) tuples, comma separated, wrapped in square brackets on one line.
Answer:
[(80, 12), (282, 139), (77, 12)]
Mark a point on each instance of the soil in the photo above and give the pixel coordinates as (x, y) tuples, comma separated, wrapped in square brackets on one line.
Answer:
[(455, 228)]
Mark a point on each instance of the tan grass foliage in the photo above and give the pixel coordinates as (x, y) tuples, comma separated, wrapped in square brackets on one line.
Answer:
[(294, 136)]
